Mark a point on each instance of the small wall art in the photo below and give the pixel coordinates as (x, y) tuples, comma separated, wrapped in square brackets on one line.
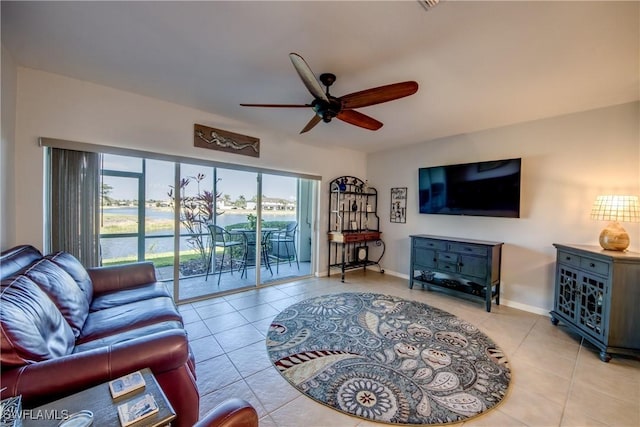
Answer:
[(399, 204), (222, 140)]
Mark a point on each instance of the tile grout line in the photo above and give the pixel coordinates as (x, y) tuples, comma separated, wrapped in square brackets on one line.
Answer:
[(572, 381)]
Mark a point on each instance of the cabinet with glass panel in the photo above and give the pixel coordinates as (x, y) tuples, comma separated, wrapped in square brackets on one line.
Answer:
[(597, 296)]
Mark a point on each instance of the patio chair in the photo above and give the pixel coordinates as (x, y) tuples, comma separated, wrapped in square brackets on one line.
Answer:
[(221, 238), (283, 245), (250, 250)]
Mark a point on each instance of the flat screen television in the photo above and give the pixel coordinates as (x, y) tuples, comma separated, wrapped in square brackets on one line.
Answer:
[(480, 189)]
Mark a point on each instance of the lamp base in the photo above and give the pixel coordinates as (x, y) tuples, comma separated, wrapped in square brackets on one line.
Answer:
[(614, 237)]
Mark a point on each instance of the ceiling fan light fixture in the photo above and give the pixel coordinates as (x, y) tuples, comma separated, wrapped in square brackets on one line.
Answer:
[(428, 4)]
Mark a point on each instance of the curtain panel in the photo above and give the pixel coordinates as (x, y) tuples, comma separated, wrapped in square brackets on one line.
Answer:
[(74, 204)]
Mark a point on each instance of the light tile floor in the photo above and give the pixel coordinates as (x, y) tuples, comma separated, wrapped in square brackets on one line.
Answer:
[(556, 379)]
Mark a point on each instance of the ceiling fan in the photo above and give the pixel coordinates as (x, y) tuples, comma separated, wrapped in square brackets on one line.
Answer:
[(326, 106)]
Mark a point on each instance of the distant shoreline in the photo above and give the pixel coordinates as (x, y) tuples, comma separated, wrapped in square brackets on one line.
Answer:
[(124, 219), (229, 210)]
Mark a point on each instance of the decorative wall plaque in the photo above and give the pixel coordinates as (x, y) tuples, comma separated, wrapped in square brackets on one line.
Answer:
[(399, 204), (222, 140)]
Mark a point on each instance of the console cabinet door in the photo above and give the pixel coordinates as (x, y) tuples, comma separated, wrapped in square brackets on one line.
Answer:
[(424, 258), (473, 266), (566, 288), (592, 312)]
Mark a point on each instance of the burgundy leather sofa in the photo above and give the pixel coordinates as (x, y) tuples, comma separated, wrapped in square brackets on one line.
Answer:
[(231, 413), (65, 328)]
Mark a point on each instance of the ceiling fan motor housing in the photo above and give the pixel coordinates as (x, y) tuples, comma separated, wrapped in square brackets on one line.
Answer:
[(327, 110)]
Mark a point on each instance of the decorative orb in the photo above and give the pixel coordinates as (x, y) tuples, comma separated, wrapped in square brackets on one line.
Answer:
[(614, 238)]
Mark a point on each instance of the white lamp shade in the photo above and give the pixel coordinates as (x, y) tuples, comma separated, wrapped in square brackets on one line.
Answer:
[(616, 208)]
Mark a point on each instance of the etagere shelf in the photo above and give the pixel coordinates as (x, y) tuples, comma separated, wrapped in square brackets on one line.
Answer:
[(354, 225)]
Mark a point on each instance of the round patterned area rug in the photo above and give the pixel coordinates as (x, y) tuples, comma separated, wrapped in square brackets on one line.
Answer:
[(388, 359)]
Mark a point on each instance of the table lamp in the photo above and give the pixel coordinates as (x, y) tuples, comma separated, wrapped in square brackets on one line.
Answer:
[(614, 209)]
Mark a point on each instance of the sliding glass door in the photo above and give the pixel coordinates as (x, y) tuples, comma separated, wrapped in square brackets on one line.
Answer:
[(122, 214), (286, 209), (207, 229)]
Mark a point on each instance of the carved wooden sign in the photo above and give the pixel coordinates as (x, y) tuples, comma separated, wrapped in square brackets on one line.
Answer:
[(222, 140)]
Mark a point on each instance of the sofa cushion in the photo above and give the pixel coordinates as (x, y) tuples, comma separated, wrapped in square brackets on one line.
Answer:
[(127, 335), (15, 259), (125, 296), (32, 327), (124, 317), (71, 265), (63, 291)]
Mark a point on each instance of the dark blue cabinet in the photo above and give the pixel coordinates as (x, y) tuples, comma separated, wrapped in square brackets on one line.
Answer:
[(597, 295), (462, 266)]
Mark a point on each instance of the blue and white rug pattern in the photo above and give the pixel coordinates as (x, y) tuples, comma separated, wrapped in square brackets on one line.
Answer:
[(388, 359)]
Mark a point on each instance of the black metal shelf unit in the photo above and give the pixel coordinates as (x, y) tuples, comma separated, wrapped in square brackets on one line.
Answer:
[(354, 225)]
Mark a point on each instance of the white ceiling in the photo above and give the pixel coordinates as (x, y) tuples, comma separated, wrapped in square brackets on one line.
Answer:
[(479, 64)]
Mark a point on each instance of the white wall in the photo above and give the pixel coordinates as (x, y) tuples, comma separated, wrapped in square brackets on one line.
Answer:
[(55, 106), (7, 194), (567, 161)]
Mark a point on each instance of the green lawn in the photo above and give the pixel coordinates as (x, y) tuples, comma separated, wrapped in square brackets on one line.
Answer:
[(123, 225), (159, 260)]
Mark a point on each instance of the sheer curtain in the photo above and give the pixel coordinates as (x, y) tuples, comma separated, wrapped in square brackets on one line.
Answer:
[(74, 204)]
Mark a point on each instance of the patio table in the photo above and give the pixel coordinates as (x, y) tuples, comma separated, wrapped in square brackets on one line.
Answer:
[(249, 241)]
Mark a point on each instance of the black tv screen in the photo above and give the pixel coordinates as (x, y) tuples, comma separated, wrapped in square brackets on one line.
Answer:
[(481, 189)]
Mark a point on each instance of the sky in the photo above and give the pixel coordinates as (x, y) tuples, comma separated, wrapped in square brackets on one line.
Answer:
[(160, 176)]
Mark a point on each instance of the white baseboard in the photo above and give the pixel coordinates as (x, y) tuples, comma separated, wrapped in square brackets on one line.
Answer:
[(396, 274), (525, 307), (513, 304)]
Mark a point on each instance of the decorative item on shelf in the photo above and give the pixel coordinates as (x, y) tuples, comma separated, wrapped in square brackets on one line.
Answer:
[(361, 253), (615, 208), (354, 206), (342, 185)]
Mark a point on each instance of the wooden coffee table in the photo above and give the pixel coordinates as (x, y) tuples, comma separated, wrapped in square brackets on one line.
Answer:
[(105, 413)]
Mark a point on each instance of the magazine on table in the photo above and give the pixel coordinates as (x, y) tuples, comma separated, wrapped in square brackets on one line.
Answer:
[(127, 384), (137, 409)]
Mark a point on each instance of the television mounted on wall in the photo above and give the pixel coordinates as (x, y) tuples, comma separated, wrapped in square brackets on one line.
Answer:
[(478, 189)]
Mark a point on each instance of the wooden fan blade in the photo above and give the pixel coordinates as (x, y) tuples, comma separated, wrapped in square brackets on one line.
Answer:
[(356, 118), (378, 95), (314, 121), (277, 105), (307, 76)]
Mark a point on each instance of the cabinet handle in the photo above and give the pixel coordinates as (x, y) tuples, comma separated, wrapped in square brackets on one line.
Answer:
[(567, 258), (592, 265)]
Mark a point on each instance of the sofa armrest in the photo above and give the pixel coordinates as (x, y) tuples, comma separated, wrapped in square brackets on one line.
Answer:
[(52, 379), (117, 277), (230, 413)]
